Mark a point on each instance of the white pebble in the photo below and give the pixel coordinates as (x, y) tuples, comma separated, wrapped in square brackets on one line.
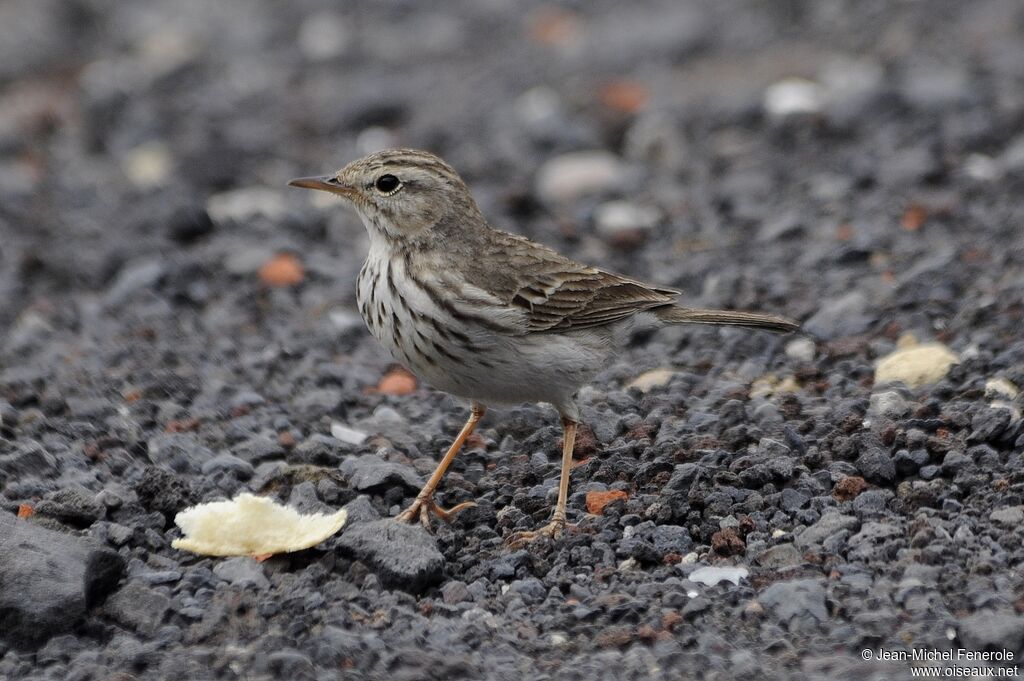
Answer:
[(570, 176), (614, 217), (240, 205), (800, 349), (792, 96), (709, 576), (981, 167), (538, 106), (323, 36), (375, 138), (345, 434), (148, 165)]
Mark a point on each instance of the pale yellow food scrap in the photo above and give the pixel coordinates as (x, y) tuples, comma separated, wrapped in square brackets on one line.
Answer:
[(917, 365), (251, 525)]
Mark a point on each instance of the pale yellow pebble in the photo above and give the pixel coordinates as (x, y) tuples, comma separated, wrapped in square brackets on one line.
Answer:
[(148, 165), (655, 378), (916, 365), (1001, 387)]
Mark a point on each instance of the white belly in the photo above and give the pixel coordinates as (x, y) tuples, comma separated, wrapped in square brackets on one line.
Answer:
[(469, 360)]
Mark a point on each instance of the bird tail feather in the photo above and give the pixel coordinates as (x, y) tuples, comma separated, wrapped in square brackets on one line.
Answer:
[(753, 320)]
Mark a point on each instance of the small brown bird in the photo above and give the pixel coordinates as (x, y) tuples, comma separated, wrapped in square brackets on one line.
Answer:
[(484, 314)]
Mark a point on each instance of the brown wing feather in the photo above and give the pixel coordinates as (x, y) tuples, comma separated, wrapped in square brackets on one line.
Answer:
[(558, 294)]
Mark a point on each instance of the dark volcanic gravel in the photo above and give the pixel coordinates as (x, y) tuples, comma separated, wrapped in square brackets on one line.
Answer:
[(147, 361)]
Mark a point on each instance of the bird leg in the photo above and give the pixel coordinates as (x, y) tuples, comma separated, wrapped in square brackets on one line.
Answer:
[(425, 504), (558, 521)]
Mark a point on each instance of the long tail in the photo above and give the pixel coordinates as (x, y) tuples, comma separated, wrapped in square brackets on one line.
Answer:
[(672, 314)]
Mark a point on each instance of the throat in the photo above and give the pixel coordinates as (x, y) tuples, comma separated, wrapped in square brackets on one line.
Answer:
[(382, 235)]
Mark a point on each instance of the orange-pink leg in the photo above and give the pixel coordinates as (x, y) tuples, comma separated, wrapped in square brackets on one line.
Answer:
[(425, 504), (558, 520)]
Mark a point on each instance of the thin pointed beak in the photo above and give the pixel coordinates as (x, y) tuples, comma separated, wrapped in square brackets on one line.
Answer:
[(326, 183)]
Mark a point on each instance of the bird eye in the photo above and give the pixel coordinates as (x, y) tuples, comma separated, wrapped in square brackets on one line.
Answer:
[(387, 184)]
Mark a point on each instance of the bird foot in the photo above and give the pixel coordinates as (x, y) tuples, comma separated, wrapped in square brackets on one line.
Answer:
[(552, 530), (423, 507)]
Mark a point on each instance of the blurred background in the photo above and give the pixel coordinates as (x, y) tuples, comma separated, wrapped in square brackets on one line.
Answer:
[(145, 146)]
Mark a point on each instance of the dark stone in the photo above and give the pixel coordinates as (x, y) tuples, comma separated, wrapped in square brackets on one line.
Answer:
[(696, 606), (876, 466), (954, 461), (179, 452), (682, 476), (189, 223), (531, 590), (846, 315), (908, 463), (793, 500), (291, 664), (162, 491), (404, 556), (988, 424), (258, 449), (360, 510), (138, 607), (230, 464), (780, 556), (241, 571), (49, 580), (795, 599), (454, 591), (72, 506), (827, 525), (370, 471), (671, 539), (27, 459), (993, 631)]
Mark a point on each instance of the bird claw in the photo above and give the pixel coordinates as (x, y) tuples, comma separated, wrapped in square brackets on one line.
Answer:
[(552, 530), (423, 508)]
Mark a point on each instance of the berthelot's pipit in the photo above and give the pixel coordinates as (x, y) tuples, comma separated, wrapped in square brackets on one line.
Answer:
[(484, 314)]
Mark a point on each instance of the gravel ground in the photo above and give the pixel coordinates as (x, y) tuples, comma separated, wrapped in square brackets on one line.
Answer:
[(855, 165)]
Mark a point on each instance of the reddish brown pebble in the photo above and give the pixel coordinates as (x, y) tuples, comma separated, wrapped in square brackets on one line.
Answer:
[(181, 426), (849, 487), (397, 382), (586, 442), (596, 501), (914, 217), (727, 542), (475, 441), (614, 637), (625, 95), (670, 619), (25, 511), (647, 633), (284, 269), (553, 26)]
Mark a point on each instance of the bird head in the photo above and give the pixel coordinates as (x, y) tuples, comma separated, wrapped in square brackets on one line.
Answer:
[(400, 193)]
